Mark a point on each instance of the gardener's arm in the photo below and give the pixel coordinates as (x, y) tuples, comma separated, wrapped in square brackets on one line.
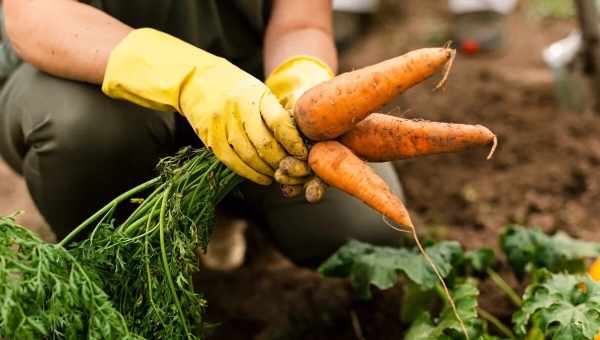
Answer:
[(79, 46), (300, 27), (160, 72), (63, 37)]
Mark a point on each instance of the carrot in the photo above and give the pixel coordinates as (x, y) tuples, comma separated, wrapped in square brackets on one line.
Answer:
[(331, 108), (383, 138), (335, 164)]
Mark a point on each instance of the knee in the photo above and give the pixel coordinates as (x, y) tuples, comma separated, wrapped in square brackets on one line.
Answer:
[(108, 129), (78, 120)]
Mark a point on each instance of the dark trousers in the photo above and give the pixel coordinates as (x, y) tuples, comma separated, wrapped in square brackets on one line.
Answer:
[(78, 149)]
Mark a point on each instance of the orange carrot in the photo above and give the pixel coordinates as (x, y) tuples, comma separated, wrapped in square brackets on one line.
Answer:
[(331, 108), (337, 166), (382, 138)]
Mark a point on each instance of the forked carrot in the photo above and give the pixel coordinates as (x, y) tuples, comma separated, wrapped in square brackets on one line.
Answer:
[(383, 138), (335, 164), (331, 108)]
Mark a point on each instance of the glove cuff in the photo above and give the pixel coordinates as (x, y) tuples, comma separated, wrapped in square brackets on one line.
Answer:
[(296, 75), (149, 68)]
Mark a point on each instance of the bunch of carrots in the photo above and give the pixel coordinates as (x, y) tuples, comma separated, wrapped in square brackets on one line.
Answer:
[(338, 116), (151, 250)]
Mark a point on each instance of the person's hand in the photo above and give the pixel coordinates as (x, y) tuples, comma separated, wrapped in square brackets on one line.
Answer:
[(288, 82), (234, 114), (296, 75)]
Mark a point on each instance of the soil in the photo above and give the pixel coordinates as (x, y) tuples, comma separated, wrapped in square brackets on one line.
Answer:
[(546, 172)]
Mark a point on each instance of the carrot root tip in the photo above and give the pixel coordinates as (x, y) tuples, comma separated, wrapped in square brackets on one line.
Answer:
[(391, 225), (493, 149), (442, 83)]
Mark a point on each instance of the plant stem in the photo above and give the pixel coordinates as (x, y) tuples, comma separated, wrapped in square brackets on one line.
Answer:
[(504, 287), (140, 222), (144, 207), (489, 317), (107, 208), (356, 325), (232, 181), (165, 261), (147, 264)]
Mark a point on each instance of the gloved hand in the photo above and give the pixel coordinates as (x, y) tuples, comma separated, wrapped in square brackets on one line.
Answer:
[(295, 76), (288, 82), (234, 114)]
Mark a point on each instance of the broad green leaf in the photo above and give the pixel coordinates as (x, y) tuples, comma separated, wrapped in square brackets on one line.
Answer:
[(563, 307), (415, 300), (446, 326), (478, 261), (527, 249), (367, 265)]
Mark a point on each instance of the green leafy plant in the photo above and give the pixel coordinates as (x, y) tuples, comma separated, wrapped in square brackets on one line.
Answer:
[(368, 265), (445, 325), (478, 262), (46, 293), (554, 306), (527, 249), (561, 306)]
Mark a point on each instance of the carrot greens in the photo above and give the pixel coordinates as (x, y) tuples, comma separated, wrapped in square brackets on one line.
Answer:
[(125, 280)]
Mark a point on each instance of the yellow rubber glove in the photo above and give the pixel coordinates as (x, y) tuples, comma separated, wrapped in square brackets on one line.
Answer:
[(234, 114), (296, 75), (288, 82)]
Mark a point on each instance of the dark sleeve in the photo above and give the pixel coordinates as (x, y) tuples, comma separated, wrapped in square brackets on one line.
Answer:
[(232, 29)]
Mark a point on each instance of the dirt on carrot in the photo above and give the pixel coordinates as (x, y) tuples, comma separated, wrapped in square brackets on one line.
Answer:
[(384, 138), (331, 108), (339, 167)]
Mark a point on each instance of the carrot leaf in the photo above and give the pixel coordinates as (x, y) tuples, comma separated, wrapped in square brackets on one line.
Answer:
[(45, 293)]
